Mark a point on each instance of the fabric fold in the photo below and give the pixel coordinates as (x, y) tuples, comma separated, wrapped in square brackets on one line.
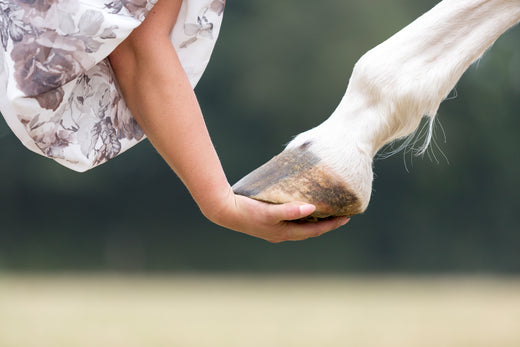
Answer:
[(58, 93)]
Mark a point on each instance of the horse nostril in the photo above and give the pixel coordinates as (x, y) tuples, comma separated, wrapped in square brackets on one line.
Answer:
[(297, 174)]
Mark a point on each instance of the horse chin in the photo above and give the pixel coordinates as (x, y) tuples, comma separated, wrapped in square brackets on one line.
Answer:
[(298, 174)]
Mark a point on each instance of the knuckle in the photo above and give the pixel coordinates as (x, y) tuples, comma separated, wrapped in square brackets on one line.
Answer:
[(325, 229), (275, 240), (290, 213), (318, 232), (283, 237)]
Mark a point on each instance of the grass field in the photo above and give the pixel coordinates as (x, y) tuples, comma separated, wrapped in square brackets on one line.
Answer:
[(213, 310)]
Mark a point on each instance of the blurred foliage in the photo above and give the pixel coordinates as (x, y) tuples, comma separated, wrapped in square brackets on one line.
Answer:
[(279, 68)]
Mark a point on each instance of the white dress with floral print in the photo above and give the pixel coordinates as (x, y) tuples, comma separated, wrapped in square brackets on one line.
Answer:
[(58, 93)]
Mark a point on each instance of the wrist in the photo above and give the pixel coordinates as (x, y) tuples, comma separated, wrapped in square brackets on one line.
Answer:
[(217, 204)]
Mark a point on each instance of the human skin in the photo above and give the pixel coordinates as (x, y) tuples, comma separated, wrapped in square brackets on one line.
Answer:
[(162, 101)]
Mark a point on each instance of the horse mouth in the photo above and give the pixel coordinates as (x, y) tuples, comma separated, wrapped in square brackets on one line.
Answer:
[(297, 174)]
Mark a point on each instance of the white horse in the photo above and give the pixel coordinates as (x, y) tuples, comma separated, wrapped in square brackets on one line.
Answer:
[(391, 88)]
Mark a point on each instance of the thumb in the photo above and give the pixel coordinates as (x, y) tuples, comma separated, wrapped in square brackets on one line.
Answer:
[(293, 210)]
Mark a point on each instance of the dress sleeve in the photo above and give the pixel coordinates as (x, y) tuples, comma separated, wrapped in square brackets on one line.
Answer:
[(58, 93)]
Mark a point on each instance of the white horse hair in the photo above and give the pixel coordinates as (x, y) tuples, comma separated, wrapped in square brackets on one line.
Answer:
[(394, 85)]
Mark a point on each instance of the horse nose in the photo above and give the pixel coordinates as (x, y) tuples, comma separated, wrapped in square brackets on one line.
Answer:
[(297, 174)]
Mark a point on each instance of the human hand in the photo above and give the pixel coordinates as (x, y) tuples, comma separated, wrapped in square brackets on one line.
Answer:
[(273, 223)]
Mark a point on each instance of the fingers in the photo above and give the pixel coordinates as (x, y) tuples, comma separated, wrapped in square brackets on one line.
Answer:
[(298, 232), (276, 223), (308, 230)]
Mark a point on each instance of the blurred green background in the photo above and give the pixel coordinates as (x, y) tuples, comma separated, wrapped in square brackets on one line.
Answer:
[(279, 68)]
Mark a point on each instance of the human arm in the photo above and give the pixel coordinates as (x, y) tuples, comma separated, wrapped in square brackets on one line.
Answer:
[(162, 101)]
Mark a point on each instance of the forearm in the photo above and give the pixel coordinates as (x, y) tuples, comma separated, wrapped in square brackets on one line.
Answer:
[(169, 114), (162, 101)]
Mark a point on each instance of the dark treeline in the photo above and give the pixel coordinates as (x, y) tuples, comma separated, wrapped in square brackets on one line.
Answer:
[(279, 68)]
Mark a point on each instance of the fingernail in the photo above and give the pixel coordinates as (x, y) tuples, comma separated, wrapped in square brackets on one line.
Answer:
[(307, 209)]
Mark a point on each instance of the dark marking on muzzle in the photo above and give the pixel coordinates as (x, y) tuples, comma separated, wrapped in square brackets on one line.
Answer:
[(300, 175)]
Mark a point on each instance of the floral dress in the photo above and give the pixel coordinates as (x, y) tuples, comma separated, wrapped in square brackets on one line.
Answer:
[(58, 93)]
